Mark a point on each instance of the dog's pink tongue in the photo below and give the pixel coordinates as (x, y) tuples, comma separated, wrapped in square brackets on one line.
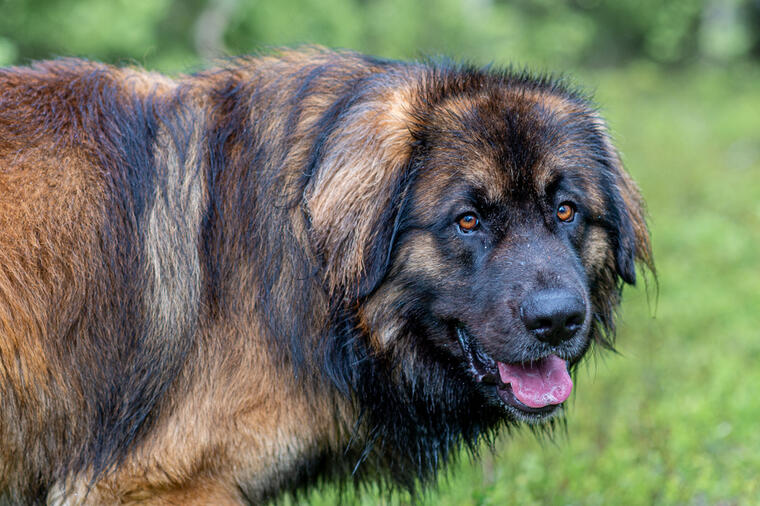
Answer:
[(540, 384)]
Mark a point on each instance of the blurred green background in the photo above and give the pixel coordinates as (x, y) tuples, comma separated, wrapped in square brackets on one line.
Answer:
[(674, 418)]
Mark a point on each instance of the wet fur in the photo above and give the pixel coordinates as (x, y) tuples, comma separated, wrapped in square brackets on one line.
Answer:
[(211, 288)]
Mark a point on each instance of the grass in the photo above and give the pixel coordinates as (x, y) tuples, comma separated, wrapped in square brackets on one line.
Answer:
[(673, 418)]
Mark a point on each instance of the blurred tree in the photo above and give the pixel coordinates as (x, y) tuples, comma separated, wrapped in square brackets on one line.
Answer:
[(109, 30), (723, 35), (211, 25)]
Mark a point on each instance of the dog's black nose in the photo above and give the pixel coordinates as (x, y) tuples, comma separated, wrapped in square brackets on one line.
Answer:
[(553, 316)]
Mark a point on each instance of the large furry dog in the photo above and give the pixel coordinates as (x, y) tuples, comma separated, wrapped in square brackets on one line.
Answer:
[(310, 265)]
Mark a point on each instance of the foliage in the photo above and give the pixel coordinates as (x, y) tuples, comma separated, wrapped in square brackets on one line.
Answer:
[(175, 34)]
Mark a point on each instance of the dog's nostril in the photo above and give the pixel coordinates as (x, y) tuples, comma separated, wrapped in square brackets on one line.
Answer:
[(553, 316), (543, 324), (575, 321)]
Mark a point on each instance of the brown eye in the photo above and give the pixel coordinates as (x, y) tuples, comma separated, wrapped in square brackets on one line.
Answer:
[(566, 212), (468, 222)]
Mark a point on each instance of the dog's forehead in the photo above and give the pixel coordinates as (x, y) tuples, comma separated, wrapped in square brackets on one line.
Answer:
[(508, 142)]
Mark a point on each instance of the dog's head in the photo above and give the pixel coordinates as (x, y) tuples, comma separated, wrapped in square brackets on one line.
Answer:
[(490, 228)]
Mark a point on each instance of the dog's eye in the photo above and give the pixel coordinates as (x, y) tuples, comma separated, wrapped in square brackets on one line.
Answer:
[(468, 222), (566, 212)]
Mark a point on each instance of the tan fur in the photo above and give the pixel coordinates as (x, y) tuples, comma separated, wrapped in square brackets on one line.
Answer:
[(597, 253), (418, 256), (49, 209), (357, 175)]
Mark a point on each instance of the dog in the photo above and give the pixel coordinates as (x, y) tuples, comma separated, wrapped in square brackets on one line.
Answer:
[(299, 267)]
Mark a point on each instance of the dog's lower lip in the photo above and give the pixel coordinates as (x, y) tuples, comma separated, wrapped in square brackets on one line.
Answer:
[(504, 392), (507, 397)]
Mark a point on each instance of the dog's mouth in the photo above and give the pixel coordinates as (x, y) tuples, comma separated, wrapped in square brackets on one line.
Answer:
[(531, 391)]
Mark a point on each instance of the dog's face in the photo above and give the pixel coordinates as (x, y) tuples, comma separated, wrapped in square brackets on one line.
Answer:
[(501, 223), (509, 249)]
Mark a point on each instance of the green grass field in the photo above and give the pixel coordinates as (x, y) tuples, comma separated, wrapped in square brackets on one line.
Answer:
[(674, 418)]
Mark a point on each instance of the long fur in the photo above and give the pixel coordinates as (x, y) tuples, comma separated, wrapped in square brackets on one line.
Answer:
[(195, 273)]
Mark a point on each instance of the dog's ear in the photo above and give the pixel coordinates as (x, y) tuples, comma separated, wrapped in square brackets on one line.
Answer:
[(358, 187), (631, 235)]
